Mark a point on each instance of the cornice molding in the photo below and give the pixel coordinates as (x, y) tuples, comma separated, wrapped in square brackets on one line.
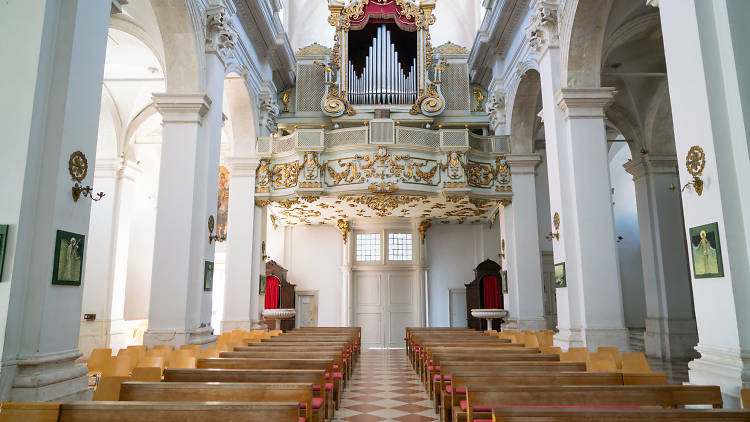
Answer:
[(523, 163), (646, 165), (182, 108), (585, 103)]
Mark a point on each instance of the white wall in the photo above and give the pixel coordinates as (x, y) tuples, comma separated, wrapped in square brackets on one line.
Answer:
[(452, 253), (629, 248), (544, 214), (312, 255)]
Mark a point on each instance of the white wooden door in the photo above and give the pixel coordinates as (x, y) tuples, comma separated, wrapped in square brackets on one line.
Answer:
[(457, 307), (385, 303)]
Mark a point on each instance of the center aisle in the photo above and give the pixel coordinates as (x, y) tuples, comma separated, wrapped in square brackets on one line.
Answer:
[(384, 387)]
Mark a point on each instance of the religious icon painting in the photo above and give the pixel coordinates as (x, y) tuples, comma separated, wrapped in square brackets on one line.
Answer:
[(262, 285), (3, 241), (68, 266), (222, 212), (504, 277), (208, 276), (560, 280), (705, 248)]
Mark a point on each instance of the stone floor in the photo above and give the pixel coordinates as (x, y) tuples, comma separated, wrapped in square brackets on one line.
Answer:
[(384, 387)]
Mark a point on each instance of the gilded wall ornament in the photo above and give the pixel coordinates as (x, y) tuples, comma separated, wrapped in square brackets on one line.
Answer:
[(478, 99), (480, 175), (310, 170), (423, 226), (382, 166), (454, 165), (343, 225), (381, 203), (314, 49), (556, 224), (78, 168), (695, 162)]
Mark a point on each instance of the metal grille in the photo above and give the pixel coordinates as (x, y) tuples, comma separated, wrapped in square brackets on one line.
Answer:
[(453, 138), (480, 143), (415, 136), (310, 88), (501, 144), (309, 138), (455, 87), (352, 136), (263, 146), (286, 143), (381, 132)]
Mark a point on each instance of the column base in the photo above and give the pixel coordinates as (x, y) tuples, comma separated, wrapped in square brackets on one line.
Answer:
[(177, 338), (259, 325), (45, 377), (593, 338), (532, 324), (671, 338), (725, 367), (228, 326)]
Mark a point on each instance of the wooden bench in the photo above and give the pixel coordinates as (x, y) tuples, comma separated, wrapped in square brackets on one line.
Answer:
[(178, 412), (312, 376), (221, 392), (613, 415), (480, 400)]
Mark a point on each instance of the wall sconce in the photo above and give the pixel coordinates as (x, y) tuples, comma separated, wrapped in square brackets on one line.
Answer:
[(502, 247), (556, 234), (695, 162), (211, 236), (78, 167)]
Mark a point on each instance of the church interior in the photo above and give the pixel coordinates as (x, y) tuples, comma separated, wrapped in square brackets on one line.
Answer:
[(375, 210)]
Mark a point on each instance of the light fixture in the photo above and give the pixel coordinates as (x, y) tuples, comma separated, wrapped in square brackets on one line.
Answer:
[(78, 168), (695, 162)]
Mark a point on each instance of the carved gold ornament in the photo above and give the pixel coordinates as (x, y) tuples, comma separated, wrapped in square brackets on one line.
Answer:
[(478, 99), (211, 236), (381, 203), (451, 48), (78, 168), (263, 176), (695, 162), (380, 166), (423, 226), (343, 225), (454, 165), (285, 175), (314, 49), (285, 97)]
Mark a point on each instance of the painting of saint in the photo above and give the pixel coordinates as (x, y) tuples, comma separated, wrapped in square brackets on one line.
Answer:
[(68, 258), (706, 251), (222, 213), (208, 276), (560, 280)]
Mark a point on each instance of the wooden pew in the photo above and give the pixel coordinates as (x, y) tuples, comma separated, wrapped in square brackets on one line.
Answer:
[(481, 399), (346, 369), (178, 412), (614, 415), (220, 392), (423, 369), (312, 376), (29, 412)]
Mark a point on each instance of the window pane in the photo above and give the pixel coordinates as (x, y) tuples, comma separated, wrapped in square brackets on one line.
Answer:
[(399, 246), (368, 247)]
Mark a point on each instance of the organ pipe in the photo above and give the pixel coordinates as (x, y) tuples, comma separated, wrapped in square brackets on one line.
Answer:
[(382, 81)]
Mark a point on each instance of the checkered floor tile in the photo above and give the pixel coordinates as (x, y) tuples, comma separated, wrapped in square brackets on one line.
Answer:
[(385, 388)]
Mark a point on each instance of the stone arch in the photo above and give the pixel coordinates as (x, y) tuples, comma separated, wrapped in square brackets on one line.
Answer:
[(628, 127), (240, 105), (182, 63), (658, 125), (130, 27), (524, 113), (110, 127), (582, 31)]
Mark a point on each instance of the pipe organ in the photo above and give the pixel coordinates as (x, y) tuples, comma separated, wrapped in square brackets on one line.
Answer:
[(382, 56), (383, 80)]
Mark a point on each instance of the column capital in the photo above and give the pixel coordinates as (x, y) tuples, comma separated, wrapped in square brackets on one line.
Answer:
[(107, 168), (651, 164), (495, 108), (221, 35), (242, 166), (541, 31), (182, 108), (585, 103), (523, 163), (129, 170)]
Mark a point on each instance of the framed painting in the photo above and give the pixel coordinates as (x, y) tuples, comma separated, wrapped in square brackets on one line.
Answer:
[(560, 280), (262, 285), (3, 241), (504, 277), (67, 268), (705, 248), (208, 276)]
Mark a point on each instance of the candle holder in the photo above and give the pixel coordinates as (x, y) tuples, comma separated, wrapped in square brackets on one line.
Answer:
[(695, 162), (78, 168)]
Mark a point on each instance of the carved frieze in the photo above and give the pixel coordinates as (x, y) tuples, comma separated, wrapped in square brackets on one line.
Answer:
[(382, 166), (285, 175), (310, 175), (263, 176), (542, 30)]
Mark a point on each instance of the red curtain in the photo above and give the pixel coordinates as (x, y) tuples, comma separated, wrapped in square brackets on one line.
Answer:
[(272, 292), (490, 291)]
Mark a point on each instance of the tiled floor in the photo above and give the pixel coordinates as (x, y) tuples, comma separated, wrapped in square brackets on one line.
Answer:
[(384, 387)]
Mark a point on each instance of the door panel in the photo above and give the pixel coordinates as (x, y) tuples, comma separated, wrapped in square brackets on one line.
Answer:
[(458, 307)]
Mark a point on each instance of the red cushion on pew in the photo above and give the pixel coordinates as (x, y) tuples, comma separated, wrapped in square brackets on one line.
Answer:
[(328, 375), (337, 375), (437, 377), (303, 420), (460, 391), (448, 388), (316, 388), (430, 361), (430, 367), (344, 360), (437, 368), (336, 367), (446, 377), (329, 386), (476, 408), (317, 402)]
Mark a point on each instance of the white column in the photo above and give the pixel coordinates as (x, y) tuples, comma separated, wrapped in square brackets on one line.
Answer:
[(525, 287), (239, 281), (670, 321), (346, 279), (708, 87), (181, 234), (107, 258), (589, 237), (259, 264), (54, 84)]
